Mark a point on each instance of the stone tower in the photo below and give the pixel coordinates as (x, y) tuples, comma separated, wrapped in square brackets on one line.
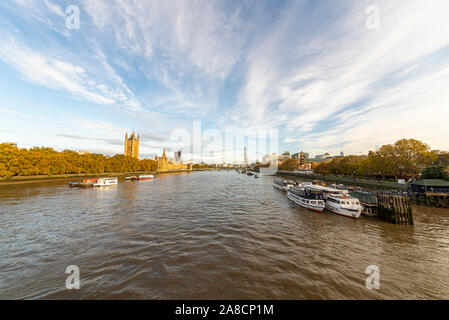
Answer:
[(132, 145)]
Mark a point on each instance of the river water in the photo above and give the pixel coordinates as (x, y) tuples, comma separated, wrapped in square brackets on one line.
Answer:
[(208, 235)]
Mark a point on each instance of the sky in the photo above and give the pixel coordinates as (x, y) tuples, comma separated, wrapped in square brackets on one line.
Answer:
[(328, 76)]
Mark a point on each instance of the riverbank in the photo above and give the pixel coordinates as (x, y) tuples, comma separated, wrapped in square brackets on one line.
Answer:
[(370, 184), (63, 177)]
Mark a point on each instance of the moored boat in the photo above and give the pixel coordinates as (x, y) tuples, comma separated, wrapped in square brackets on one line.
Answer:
[(368, 200), (326, 191), (282, 185), (87, 183), (132, 178), (74, 184), (146, 177), (307, 197), (344, 205), (104, 182)]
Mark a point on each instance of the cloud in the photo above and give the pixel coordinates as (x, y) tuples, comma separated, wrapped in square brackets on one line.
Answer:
[(20, 114), (350, 87), (61, 75), (116, 142)]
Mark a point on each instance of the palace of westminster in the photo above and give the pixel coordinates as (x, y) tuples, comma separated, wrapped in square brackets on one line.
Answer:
[(163, 163)]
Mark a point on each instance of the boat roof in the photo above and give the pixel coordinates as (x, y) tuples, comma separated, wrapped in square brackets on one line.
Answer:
[(324, 189), (340, 196)]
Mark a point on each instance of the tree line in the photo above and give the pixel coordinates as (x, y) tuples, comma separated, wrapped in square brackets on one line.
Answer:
[(47, 161), (407, 158)]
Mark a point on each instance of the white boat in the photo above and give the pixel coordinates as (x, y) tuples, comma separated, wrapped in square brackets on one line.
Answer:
[(104, 182), (307, 198), (326, 191), (282, 185), (146, 177), (344, 205)]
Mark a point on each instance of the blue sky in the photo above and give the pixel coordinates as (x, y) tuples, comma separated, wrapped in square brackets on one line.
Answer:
[(310, 69)]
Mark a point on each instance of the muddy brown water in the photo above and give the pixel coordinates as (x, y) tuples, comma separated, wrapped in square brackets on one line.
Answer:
[(208, 235)]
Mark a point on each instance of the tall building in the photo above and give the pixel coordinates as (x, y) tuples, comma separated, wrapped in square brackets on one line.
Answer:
[(245, 157), (132, 145), (301, 156), (273, 158), (302, 159), (178, 156), (285, 156)]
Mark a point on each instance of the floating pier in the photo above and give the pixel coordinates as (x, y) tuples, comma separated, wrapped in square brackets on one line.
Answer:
[(431, 192), (395, 209)]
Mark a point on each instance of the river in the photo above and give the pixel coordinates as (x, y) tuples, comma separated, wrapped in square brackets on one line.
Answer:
[(208, 235)]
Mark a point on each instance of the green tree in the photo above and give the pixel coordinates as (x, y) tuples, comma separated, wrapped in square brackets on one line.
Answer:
[(434, 172)]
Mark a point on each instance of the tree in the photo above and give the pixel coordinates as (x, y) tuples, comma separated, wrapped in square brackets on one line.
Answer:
[(46, 161), (289, 165), (405, 158), (322, 168), (442, 158), (434, 172)]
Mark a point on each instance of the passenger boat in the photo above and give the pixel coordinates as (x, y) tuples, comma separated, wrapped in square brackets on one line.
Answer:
[(132, 178), (146, 177), (307, 197), (282, 185), (342, 187), (368, 201), (104, 182), (344, 205), (74, 184), (87, 183), (326, 191)]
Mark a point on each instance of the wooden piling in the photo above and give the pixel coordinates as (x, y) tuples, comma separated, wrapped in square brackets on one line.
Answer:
[(395, 209)]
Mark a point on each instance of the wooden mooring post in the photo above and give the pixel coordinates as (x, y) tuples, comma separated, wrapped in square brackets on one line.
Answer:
[(395, 209)]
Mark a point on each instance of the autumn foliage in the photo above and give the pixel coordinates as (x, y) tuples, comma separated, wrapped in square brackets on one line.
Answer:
[(404, 159), (47, 161)]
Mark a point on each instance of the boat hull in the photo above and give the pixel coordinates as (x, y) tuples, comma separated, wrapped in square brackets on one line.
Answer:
[(280, 188), (146, 177), (345, 213), (297, 200)]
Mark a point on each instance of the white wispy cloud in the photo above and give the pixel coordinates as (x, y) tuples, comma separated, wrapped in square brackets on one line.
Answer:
[(359, 81)]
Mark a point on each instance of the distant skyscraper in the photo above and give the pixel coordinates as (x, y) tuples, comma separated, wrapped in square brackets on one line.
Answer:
[(132, 145), (342, 154), (245, 157), (177, 156)]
